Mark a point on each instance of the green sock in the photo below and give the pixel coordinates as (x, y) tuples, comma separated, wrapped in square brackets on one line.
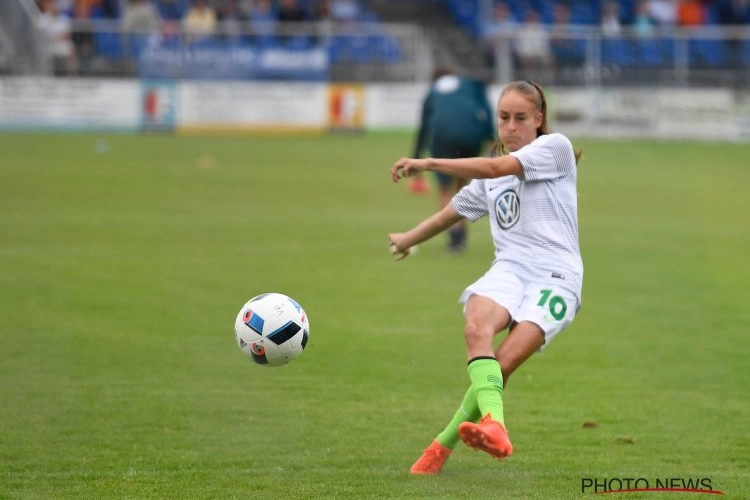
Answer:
[(468, 411), (487, 382)]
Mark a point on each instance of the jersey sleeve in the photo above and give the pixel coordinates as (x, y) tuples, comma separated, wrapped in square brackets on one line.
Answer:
[(470, 201), (548, 157)]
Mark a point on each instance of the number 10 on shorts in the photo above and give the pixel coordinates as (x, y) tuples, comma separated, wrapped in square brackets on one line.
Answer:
[(556, 304)]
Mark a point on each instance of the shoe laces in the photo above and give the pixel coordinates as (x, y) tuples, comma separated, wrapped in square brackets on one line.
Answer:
[(434, 453)]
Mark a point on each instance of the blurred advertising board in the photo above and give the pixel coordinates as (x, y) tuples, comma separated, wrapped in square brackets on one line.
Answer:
[(234, 63)]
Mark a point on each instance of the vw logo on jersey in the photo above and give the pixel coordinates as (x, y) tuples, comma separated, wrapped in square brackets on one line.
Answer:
[(507, 209)]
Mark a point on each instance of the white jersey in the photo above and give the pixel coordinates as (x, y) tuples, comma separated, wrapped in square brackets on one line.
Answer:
[(534, 219)]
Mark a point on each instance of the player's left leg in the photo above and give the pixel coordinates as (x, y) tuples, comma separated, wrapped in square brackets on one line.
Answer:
[(484, 317), (525, 338)]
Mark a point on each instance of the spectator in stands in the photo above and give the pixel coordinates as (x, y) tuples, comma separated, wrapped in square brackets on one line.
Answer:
[(734, 13), (324, 18), (567, 50), (231, 18), (65, 7), (82, 36), (497, 30), (82, 9), (171, 10), (141, 17), (199, 22), (291, 10), (56, 28), (110, 8), (322, 10), (531, 46), (344, 11), (610, 20), (262, 18), (643, 24), (663, 12), (141, 24), (456, 122), (690, 13)]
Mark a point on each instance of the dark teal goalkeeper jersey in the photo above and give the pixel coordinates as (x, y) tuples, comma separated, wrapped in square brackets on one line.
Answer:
[(456, 119)]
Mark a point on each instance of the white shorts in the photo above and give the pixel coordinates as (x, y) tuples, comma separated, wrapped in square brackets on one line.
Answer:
[(546, 304)]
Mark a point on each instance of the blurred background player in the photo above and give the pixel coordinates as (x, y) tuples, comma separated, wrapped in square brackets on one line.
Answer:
[(456, 122)]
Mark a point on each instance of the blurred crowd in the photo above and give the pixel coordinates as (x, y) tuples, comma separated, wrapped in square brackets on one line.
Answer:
[(541, 30), (203, 13), (68, 23)]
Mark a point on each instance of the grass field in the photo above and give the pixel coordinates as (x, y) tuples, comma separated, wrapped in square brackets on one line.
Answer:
[(124, 260)]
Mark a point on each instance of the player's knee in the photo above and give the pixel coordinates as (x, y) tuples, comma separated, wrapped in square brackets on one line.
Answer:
[(476, 334)]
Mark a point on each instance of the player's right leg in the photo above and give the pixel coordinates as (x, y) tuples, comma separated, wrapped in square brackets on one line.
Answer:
[(484, 318), (490, 435)]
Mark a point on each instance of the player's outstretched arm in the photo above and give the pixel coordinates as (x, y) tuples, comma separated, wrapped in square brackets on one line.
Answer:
[(431, 226), (467, 168)]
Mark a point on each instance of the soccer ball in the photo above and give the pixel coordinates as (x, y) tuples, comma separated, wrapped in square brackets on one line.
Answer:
[(272, 329)]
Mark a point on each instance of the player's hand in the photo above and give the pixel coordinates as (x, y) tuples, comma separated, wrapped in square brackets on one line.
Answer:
[(397, 247), (406, 167)]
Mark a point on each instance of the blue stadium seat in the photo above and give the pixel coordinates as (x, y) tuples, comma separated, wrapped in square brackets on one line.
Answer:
[(136, 42), (108, 45), (390, 50), (299, 42), (707, 52), (651, 52), (583, 13), (342, 49), (617, 51), (360, 49), (265, 41)]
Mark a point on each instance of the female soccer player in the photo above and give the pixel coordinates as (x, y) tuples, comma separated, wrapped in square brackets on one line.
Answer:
[(533, 288)]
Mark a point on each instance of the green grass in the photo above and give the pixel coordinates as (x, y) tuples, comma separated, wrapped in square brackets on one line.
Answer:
[(122, 269)]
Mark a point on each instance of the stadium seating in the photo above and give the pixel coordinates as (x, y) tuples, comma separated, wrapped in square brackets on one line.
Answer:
[(375, 46), (621, 52)]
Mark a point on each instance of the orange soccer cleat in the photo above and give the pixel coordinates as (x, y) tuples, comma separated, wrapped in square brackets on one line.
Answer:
[(432, 459), (488, 435)]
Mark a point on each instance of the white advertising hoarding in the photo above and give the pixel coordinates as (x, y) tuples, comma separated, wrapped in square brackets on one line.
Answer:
[(90, 104), (240, 106), (69, 104)]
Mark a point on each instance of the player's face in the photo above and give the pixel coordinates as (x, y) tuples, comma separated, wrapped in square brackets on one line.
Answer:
[(517, 120)]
